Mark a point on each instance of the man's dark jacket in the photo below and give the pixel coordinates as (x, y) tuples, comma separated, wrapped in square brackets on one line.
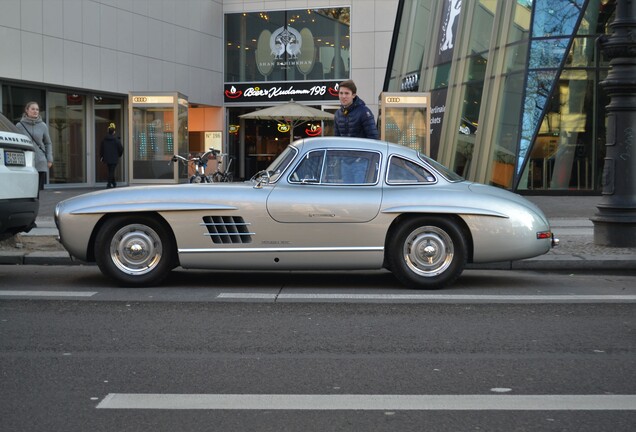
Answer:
[(355, 121), (111, 149)]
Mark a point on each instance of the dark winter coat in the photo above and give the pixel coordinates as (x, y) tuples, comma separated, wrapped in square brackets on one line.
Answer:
[(111, 150), (356, 120)]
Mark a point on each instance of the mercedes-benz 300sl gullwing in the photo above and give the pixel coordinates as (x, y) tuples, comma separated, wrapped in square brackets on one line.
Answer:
[(325, 203)]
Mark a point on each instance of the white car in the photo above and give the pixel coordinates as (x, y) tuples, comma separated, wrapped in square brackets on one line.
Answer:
[(19, 203)]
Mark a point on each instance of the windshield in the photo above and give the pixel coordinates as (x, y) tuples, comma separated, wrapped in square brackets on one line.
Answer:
[(280, 164), (447, 173)]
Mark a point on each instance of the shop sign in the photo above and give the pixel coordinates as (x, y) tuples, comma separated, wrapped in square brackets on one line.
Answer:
[(448, 31), (282, 91), (152, 100)]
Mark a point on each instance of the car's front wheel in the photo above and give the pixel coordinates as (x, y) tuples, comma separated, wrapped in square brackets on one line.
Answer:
[(135, 250), (427, 252)]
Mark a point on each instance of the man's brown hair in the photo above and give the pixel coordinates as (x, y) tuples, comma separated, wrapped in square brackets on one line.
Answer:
[(350, 85)]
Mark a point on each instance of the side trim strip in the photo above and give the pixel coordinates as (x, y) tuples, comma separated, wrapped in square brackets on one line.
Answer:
[(280, 249)]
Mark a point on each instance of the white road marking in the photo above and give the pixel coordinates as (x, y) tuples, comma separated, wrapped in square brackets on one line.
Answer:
[(433, 297), (368, 402), (47, 293), (247, 296)]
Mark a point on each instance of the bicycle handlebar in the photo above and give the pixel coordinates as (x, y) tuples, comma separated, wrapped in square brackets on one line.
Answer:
[(197, 160)]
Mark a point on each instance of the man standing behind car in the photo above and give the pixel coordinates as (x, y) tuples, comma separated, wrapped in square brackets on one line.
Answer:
[(110, 152), (33, 126), (354, 118)]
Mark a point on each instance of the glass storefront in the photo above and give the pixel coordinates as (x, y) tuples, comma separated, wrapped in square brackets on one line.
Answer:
[(274, 57), (66, 117), (159, 130), (77, 124), (515, 89), (256, 143), (293, 45)]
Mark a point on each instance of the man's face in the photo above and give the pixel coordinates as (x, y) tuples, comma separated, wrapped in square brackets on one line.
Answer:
[(346, 96)]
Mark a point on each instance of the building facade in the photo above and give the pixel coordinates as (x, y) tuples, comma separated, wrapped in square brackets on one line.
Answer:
[(515, 100), (84, 60)]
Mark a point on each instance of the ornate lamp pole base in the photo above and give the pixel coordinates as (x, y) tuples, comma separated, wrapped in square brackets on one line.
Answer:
[(615, 221)]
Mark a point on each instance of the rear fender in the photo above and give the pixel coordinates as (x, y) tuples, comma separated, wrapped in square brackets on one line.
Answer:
[(408, 216)]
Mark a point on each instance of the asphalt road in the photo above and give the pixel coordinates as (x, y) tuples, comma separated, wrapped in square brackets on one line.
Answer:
[(553, 352)]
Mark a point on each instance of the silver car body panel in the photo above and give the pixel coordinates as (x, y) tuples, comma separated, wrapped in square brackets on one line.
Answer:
[(285, 225)]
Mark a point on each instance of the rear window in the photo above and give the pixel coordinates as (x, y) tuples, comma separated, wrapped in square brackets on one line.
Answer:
[(404, 171)]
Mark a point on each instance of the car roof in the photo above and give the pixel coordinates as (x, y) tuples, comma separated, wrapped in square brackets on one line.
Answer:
[(307, 144)]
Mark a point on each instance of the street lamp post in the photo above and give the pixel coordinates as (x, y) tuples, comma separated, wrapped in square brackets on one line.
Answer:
[(615, 221)]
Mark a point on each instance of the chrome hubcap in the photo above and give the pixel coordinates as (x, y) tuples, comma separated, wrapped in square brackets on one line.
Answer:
[(136, 249), (428, 251)]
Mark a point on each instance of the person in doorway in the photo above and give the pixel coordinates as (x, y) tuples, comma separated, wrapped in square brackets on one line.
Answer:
[(354, 118), (110, 152), (33, 126)]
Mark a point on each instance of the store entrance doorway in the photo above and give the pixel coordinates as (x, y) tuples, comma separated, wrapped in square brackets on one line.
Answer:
[(107, 110)]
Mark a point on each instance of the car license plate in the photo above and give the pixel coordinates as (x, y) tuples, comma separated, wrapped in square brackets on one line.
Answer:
[(13, 158)]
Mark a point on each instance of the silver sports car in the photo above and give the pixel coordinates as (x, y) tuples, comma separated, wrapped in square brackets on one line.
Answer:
[(323, 204)]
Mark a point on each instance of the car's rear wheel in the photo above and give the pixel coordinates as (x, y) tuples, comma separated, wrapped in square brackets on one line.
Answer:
[(427, 252), (135, 250)]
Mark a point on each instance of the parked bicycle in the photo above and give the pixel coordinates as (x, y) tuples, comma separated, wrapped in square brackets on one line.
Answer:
[(200, 164), (224, 175)]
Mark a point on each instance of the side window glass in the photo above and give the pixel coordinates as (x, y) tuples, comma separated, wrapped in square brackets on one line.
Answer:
[(351, 167), (309, 169), (403, 171)]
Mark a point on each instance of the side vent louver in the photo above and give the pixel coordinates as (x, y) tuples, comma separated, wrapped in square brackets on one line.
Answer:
[(227, 229)]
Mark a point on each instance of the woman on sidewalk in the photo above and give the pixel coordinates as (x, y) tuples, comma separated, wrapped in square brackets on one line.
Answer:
[(34, 127)]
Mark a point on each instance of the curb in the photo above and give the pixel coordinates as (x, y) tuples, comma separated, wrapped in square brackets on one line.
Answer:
[(38, 258), (563, 262)]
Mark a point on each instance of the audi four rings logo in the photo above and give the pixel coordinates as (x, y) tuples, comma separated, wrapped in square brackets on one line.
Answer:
[(140, 99), (392, 100)]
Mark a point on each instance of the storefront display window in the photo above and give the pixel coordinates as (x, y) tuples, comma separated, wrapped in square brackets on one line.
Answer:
[(158, 131), (66, 117), (293, 45)]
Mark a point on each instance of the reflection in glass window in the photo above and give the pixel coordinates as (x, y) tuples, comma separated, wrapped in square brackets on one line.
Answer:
[(552, 18), (520, 27), (547, 53), (414, 29), (153, 142), (556, 17), (483, 20), (310, 168), (506, 132), (66, 117), (294, 45), (560, 158), (338, 167), (402, 171), (280, 164), (351, 167)]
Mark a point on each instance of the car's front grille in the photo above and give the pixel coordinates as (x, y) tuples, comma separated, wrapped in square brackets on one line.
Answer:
[(227, 229)]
